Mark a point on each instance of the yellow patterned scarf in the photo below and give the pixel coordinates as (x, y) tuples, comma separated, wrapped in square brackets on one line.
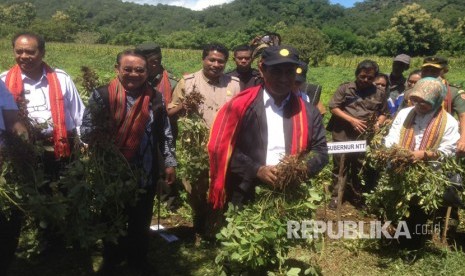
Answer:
[(432, 135)]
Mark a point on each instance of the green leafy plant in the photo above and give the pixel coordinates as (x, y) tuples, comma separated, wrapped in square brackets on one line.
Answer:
[(255, 237), (193, 139), (404, 181)]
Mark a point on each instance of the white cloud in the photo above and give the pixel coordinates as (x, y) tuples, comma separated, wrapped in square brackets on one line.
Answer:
[(190, 4)]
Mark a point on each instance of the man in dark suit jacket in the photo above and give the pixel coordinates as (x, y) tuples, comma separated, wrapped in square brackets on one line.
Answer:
[(257, 127)]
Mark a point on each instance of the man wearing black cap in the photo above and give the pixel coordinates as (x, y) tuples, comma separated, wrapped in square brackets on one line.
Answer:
[(268, 121), (400, 64), (159, 78), (308, 91), (454, 102), (164, 82)]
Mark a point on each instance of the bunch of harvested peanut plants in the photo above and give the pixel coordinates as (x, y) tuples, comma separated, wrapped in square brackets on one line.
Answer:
[(192, 141), (291, 171)]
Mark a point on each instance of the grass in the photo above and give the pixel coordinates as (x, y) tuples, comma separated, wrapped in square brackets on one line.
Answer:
[(333, 257)]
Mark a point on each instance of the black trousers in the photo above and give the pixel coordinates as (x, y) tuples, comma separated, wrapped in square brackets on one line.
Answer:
[(10, 229), (135, 245)]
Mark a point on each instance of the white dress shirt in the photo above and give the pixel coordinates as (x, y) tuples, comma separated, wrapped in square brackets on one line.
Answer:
[(38, 107), (274, 119)]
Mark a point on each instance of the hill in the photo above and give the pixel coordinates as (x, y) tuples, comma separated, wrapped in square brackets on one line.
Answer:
[(117, 22)]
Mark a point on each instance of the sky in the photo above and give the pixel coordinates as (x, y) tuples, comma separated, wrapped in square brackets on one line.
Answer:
[(202, 4)]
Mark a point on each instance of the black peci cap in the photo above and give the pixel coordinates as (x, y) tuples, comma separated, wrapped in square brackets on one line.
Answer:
[(148, 48)]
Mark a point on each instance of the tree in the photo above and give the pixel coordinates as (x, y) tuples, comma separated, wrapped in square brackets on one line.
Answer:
[(311, 43), (454, 40), (412, 31), (342, 41), (19, 15)]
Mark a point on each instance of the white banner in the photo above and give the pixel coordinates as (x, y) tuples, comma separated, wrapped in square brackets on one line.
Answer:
[(347, 146)]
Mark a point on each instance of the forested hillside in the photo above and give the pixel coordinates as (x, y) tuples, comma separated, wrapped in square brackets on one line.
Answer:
[(370, 27)]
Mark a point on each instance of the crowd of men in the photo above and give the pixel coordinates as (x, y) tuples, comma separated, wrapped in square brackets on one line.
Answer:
[(255, 117)]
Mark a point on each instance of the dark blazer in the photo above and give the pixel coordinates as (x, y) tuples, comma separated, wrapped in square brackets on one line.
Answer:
[(98, 112), (251, 147)]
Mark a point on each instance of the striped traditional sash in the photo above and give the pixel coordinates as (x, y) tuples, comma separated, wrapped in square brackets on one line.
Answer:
[(130, 122), (223, 136), (432, 135), (14, 82)]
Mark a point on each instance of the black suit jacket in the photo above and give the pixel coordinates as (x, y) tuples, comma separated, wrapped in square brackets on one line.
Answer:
[(251, 146)]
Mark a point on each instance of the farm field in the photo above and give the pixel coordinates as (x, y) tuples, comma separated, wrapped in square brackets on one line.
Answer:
[(331, 257), (101, 58)]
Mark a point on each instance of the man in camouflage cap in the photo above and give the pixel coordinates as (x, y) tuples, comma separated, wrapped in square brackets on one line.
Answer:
[(454, 101)]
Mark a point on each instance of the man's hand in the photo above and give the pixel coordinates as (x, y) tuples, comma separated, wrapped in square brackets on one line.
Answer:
[(267, 174), (461, 146), (170, 177), (358, 125), (177, 110)]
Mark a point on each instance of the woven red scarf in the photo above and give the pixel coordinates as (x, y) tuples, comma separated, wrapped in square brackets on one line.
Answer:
[(130, 123), (223, 138), (14, 82), (165, 87)]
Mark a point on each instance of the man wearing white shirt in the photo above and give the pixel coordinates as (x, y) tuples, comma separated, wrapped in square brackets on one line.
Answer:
[(33, 83), (53, 106), (268, 122)]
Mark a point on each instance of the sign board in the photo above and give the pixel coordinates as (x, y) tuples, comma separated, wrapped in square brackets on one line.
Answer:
[(347, 146)]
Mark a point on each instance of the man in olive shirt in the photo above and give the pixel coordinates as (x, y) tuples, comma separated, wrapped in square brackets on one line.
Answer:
[(352, 106), (248, 76), (454, 102), (217, 88)]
